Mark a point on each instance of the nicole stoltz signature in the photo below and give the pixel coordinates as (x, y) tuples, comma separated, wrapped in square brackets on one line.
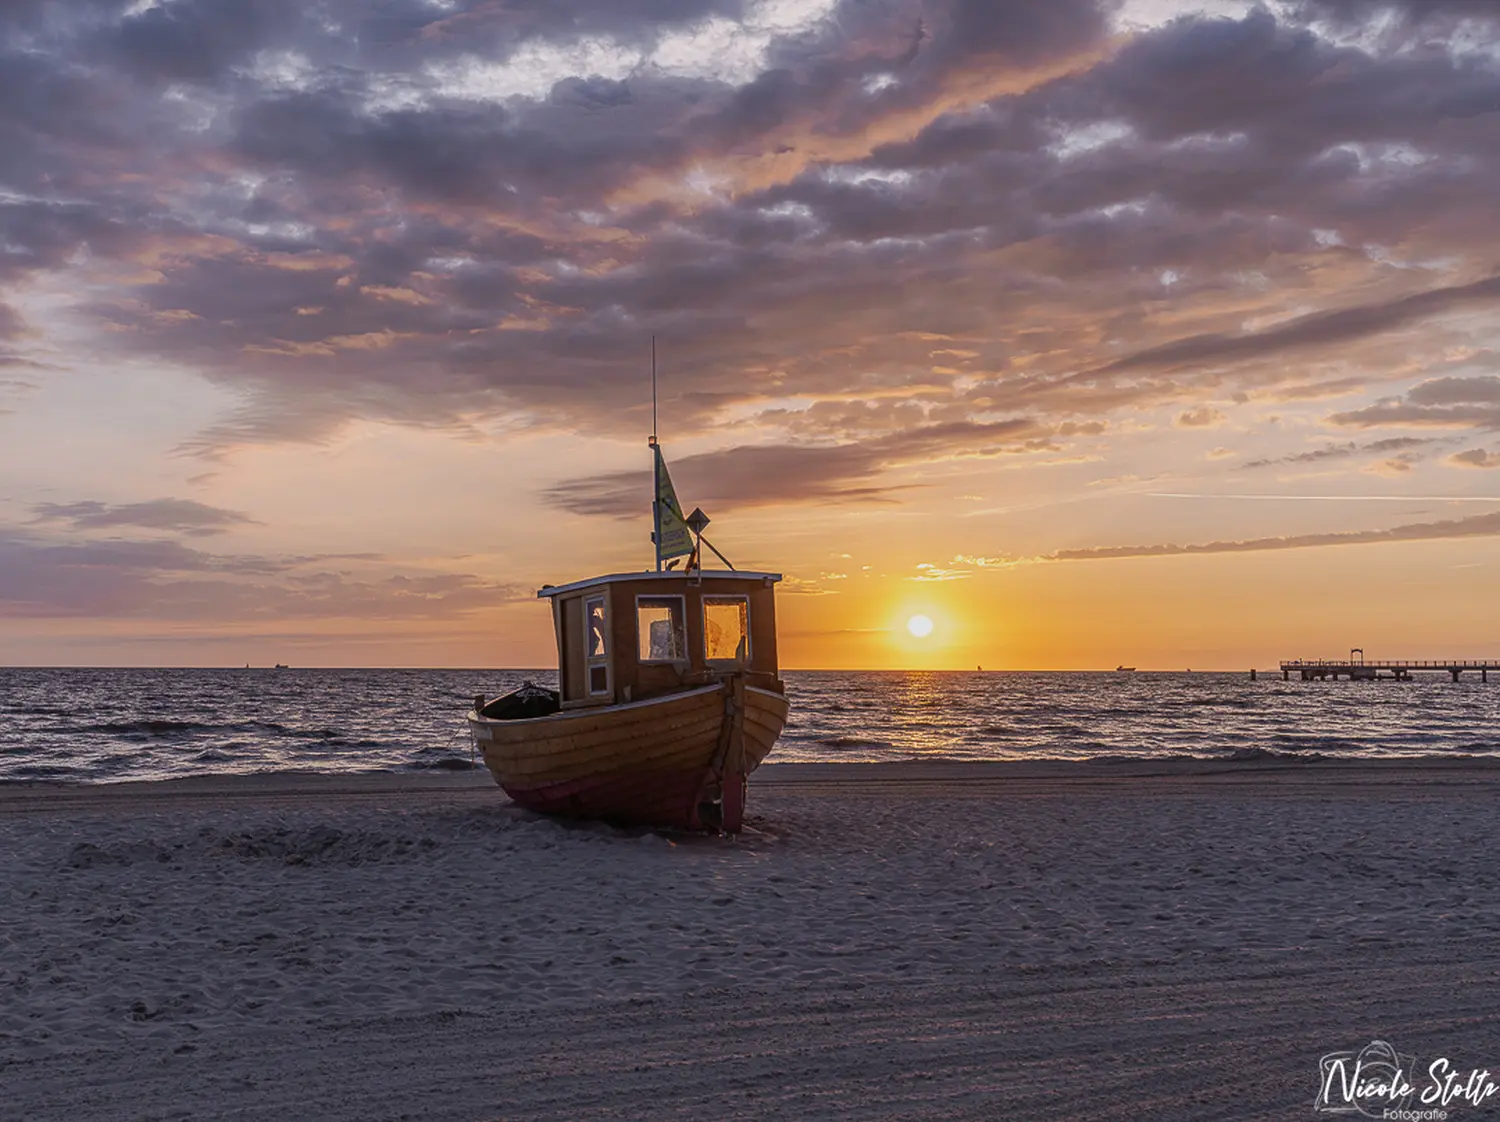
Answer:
[(1379, 1082)]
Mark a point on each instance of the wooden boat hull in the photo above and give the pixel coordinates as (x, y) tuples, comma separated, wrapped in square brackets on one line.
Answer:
[(647, 762)]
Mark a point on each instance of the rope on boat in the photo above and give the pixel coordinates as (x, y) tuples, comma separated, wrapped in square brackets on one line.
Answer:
[(473, 743), (730, 751)]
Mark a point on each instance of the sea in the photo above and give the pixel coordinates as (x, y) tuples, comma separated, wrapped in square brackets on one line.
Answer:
[(111, 725)]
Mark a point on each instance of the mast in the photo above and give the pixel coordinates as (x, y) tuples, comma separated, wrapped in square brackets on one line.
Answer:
[(670, 532), (655, 467)]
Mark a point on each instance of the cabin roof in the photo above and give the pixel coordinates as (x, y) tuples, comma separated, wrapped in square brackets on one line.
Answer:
[(667, 577)]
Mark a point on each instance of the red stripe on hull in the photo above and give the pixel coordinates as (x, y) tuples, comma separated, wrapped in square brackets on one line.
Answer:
[(649, 798)]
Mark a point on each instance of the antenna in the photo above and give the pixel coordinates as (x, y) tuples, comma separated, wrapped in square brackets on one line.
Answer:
[(655, 467)]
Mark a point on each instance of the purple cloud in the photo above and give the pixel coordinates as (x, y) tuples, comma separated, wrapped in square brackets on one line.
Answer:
[(989, 209), (179, 515)]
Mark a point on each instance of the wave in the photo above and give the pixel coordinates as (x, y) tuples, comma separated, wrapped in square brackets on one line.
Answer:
[(851, 742), (31, 772), (1252, 755), (1302, 745), (447, 763), (158, 729), (83, 726), (162, 728)]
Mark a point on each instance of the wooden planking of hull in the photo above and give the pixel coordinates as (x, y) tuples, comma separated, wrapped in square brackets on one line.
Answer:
[(765, 715), (646, 762)]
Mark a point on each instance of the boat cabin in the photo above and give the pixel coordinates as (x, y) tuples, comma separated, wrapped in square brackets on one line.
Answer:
[(632, 636)]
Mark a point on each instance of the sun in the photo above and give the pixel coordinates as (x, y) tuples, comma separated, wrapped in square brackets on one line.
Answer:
[(920, 626)]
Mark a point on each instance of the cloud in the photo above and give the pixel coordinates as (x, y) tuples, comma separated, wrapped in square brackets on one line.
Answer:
[(1475, 458), (792, 585), (437, 214), (1320, 329), (961, 567), (1480, 525), (180, 515), (753, 475), (927, 572), (1393, 468), (1440, 402), (1343, 451), (169, 581), (12, 326), (1457, 391), (193, 43), (1406, 12), (1313, 391), (1202, 417)]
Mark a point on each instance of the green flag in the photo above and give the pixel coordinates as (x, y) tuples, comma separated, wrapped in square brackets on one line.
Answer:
[(673, 538)]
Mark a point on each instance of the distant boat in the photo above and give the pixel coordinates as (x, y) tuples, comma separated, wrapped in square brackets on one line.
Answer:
[(1124, 669), (282, 666), (669, 695)]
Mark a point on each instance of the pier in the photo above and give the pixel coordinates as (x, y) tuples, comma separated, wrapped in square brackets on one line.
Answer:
[(1397, 670)]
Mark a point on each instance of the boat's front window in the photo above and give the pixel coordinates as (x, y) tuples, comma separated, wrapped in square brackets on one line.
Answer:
[(597, 640), (598, 645), (661, 627), (726, 628)]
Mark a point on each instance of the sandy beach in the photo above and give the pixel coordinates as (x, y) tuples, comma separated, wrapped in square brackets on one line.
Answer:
[(1101, 941)]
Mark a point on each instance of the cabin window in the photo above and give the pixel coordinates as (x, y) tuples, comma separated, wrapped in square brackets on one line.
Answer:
[(726, 628), (598, 637), (661, 628), (596, 644)]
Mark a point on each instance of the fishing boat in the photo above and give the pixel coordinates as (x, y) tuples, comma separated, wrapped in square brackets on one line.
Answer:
[(668, 696)]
